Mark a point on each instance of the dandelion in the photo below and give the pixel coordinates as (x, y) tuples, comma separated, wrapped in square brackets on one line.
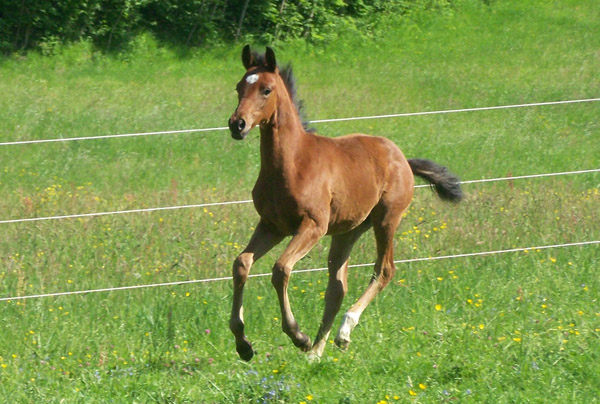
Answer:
[(438, 307), (422, 386), (412, 393), (309, 397)]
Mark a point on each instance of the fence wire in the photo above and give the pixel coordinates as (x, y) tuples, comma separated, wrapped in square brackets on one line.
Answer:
[(225, 203), (226, 278), (355, 118)]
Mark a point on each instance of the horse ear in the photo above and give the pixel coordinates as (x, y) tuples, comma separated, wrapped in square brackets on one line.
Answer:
[(270, 60), (247, 57)]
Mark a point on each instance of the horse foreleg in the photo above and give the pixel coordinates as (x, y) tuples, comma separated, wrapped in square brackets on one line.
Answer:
[(307, 236), (261, 242)]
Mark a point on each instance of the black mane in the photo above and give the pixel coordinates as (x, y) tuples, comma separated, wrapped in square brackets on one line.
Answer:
[(287, 75)]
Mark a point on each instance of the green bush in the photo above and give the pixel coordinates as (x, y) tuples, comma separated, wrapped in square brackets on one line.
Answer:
[(40, 24), (111, 24)]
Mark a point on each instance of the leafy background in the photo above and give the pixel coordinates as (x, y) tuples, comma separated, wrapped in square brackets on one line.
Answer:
[(112, 24)]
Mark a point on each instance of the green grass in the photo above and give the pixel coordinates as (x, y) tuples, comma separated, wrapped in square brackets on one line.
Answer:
[(519, 327)]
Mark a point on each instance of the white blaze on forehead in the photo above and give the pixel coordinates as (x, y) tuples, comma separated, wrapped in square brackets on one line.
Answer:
[(253, 78)]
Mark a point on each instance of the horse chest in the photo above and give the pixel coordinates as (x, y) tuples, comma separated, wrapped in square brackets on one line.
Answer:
[(277, 204)]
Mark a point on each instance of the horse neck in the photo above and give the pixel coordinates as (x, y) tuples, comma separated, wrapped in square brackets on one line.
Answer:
[(281, 138)]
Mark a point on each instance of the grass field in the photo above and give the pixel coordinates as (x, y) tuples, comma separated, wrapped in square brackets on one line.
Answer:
[(510, 328)]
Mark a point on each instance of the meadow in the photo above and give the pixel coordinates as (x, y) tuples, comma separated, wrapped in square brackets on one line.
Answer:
[(516, 327)]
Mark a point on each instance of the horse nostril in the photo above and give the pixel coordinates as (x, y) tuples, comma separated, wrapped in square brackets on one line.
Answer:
[(241, 124)]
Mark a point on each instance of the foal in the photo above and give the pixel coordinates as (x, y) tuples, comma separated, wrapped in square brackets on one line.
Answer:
[(310, 186)]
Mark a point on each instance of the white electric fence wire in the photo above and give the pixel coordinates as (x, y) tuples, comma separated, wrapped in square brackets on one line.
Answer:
[(120, 212), (209, 204), (521, 177), (357, 118), (226, 278), (453, 111), (71, 139)]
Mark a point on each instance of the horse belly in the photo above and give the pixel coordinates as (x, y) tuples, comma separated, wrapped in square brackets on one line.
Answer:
[(351, 209)]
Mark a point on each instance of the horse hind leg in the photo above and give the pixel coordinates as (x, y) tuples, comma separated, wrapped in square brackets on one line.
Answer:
[(337, 286), (385, 221)]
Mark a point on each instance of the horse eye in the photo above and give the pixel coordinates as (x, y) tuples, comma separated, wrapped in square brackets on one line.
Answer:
[(267, 91)]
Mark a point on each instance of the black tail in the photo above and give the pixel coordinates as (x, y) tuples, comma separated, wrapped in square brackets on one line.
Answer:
[(445, 184)]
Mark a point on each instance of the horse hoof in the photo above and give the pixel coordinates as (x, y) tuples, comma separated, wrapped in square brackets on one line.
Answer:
[(342, 343), (303, 342), (245, 351), (313, 357)]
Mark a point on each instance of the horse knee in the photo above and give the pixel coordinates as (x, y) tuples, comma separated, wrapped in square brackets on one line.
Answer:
[(386, 275), (241, 268), (280, 275)]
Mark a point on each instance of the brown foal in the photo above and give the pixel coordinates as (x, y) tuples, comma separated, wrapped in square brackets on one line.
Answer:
[(310, 186)]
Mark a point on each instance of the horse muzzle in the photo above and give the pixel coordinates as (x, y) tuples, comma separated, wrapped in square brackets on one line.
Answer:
[(238, 128)]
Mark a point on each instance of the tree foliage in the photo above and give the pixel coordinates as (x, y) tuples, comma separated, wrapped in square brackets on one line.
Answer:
[(111, 24)]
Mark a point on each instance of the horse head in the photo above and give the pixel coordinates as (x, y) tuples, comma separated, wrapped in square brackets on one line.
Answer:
[(257, 95)]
